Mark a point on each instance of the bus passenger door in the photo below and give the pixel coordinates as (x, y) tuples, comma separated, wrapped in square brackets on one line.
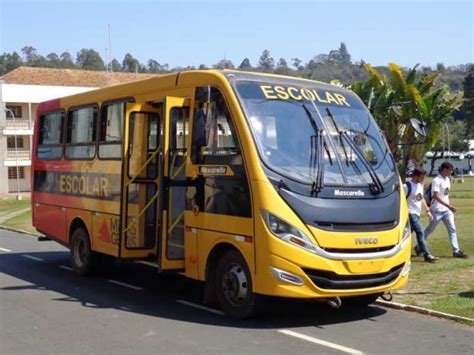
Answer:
[(141, 182), (176, 111)]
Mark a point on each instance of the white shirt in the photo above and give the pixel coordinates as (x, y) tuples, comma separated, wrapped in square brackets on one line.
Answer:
[(415, 197), (442, 185)]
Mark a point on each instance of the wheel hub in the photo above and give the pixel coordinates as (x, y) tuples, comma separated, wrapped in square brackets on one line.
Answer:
[(235, 285)]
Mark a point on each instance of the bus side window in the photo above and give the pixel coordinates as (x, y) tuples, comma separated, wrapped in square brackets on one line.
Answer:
[(213, 133), (81, 133), (111, 131), (144, 141), (50, 138), (179, 125)]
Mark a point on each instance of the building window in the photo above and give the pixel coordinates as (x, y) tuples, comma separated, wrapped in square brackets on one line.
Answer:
[(50, 137), (81, 133), (11, 142), (16, 110), (111, 131), (12, 172)]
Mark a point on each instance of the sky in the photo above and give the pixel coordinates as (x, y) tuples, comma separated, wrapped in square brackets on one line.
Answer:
[(182, 33)]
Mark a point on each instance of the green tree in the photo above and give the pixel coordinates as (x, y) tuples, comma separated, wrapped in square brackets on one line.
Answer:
[(66, 60), (266, 62), (440, 67), (224, 64), (54, 60), (245, 65), (33, 59), (468, 102), (396, 98), (130, 64), (115, 66), (297, 63), (30, 54), (153, 66), (282, 67), (9, 62), (340, 56), (89, 59), (345, 57)]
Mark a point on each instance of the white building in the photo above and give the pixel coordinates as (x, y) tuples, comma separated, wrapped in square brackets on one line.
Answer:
[(21, 90)]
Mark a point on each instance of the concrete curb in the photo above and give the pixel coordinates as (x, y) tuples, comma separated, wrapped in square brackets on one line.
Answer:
[(20, 231), (429, 312)]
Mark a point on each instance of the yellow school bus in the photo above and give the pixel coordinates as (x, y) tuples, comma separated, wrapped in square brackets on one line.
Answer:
[(255, 184)]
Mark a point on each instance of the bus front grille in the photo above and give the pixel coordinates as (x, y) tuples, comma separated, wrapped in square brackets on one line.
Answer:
[(359, 250), (332, 281), (351, 227)]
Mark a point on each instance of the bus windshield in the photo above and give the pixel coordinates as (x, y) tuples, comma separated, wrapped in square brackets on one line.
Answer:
[(293, 124)]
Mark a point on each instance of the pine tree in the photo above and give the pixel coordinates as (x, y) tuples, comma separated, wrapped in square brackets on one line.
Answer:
[(245, 65)]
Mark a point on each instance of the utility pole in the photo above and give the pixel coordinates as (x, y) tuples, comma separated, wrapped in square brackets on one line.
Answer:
[(110, 50)]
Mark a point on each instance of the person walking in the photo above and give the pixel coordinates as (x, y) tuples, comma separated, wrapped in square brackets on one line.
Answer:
[(442, 210), (414, 190)]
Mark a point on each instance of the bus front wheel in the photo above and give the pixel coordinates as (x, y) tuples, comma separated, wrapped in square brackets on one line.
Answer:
[(234, 286), (82, 256)]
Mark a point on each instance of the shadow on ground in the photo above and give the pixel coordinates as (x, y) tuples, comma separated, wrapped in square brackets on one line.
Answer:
[(466, 294), (159, 295)]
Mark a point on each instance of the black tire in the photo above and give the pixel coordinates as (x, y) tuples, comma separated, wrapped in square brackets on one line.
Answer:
[(83, 259), (233, 285), (360, 301)]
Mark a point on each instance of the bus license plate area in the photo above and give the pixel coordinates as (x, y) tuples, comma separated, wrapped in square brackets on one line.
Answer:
[(364, 266)]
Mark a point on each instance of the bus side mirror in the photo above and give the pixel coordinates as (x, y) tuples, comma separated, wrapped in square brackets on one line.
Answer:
[(419, 127), (421, 132)]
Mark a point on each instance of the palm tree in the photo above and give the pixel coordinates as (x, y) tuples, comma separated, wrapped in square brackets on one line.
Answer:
[(397, 97)]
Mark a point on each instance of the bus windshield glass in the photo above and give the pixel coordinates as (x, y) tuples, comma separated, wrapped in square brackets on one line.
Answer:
[(292, 125)]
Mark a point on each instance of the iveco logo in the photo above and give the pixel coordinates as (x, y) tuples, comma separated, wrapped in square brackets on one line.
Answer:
[(348, 193), (370, 240)]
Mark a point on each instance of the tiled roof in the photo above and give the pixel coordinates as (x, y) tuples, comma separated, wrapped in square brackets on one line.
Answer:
[(69, 77)]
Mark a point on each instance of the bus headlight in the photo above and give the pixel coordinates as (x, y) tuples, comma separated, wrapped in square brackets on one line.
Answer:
[(406, 231), (287, 232)]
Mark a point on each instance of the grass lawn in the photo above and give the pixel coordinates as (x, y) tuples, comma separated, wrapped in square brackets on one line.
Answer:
[(447, 286), (11, 204), (21, 221)]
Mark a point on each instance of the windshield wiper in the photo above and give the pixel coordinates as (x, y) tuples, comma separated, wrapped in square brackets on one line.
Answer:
[(339, 132), (340, 136), (377, 186), (316, 161)]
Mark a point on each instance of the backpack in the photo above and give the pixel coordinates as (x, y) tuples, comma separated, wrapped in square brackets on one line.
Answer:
[(427, 195), (408, 185)]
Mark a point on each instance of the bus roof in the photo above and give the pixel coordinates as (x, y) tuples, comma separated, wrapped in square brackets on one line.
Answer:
[(172, 80)]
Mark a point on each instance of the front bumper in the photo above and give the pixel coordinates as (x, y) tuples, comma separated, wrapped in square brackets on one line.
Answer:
[(305, 275)]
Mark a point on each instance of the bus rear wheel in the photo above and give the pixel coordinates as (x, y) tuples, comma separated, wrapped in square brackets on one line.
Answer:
[(82, 256), (234, 286)]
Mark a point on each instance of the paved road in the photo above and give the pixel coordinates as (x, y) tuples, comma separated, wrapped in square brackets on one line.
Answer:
[(47, 308)]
